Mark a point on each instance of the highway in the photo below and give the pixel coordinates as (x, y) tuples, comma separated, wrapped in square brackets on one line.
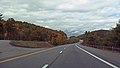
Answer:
[(65, 56)]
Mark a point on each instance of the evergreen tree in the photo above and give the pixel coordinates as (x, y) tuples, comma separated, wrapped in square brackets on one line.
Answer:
[(1, 16)]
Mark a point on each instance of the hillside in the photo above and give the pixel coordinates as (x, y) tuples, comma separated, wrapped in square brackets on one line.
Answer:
[(18, 30), (99, 33), (103, 37)]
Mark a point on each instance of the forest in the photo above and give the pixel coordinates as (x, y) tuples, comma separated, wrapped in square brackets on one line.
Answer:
[(110, 38), (18, 30)]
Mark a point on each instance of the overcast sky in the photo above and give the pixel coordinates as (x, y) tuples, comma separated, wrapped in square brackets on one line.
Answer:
[(72, 16)]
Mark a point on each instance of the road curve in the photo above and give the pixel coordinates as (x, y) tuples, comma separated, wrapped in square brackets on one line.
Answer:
[(8, 51), (65, 56)]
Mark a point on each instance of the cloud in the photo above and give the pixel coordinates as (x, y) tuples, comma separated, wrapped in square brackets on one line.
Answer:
[(114, 26), (75, 16), (73, 4)]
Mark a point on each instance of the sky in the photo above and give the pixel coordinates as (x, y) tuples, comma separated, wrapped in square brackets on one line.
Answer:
[(71, 16)]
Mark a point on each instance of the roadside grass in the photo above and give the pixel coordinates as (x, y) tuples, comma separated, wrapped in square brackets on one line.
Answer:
[(31, 44)]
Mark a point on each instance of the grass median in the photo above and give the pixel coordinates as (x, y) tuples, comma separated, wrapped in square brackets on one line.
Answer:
[(31, 44)]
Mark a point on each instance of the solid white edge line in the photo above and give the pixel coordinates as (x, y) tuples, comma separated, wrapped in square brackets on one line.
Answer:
[(97, 57), (45, 66)]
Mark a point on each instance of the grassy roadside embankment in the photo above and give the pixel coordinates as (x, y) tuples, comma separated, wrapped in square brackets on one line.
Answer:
[(31, 44)]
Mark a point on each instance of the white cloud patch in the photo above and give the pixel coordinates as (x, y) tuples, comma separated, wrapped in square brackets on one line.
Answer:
[(71, 16), (73, 4)]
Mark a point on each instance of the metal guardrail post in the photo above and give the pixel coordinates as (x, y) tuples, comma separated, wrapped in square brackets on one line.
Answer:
[(112, 48)]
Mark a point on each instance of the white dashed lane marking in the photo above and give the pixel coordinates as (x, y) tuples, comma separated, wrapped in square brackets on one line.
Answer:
[(45, 66), (61, 52)]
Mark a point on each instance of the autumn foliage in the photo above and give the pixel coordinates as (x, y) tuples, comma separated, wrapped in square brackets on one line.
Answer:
[(110, 38), (18, 30)]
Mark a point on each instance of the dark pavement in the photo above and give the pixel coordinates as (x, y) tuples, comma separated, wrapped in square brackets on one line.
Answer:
[(65, 56)]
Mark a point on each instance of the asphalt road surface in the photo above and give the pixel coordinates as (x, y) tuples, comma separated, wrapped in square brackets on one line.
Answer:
[(65, 56), (7, 50)]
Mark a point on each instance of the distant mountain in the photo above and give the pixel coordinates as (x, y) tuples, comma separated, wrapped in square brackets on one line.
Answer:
[(73, 33)]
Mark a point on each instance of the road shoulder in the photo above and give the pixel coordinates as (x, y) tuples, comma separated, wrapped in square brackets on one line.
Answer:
[(112, 57)]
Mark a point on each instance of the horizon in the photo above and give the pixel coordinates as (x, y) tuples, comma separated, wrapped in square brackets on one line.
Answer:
[(74, 17)]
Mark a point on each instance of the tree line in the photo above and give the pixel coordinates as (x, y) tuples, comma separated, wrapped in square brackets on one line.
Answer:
[(18, 30), (110, 38)]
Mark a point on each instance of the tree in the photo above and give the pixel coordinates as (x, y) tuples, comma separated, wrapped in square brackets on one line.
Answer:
[(17, 30), (117, 35), (86, 32), (1, 27), (1, 16), (91, 39)]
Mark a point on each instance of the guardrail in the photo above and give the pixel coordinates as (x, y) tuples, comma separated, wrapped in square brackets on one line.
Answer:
[(114, 49)]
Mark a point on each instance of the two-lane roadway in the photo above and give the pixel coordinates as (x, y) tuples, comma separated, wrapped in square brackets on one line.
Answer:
[(65, 56)]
